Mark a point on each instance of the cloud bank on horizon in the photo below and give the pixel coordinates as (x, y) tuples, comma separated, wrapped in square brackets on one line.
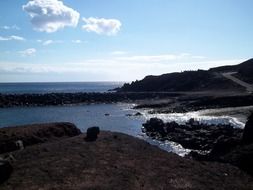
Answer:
[(70, 40)]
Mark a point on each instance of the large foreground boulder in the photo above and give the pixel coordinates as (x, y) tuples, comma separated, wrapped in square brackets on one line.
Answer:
[(242, 157), (5, 170), (247, 137)]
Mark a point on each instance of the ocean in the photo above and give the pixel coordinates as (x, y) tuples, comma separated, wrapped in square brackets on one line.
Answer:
[(85, 116), (57, 87), (110, 117)]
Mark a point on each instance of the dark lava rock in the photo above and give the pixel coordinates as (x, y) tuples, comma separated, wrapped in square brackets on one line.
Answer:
[(241, 156), (33, 134), (247, 137), (107, 114), (5, 170), (224, 145), (155, 125), (232, 149), (92, 133), (194, 135), (138, 114)]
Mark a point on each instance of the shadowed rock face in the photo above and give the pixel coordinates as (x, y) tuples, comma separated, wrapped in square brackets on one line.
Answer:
[(5, 170), (248, 131), (10, 137)]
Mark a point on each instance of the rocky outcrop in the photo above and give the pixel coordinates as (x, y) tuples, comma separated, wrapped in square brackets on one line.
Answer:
[(5, 170), (248, 131), (194, 135), (116, 161), (15, 138), (223, 143), (241, 156)]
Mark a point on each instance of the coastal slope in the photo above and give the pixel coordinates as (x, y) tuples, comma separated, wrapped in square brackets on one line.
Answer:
[(115, 161), (200, 80)]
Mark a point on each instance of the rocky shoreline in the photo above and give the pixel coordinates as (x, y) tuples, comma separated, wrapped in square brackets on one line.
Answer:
[(188, 103), (112, 161), (160, 102), (222, 143), (192, 135), (53, 99)]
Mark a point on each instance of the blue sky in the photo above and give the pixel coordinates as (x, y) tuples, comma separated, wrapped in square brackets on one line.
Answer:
[(114, 40)]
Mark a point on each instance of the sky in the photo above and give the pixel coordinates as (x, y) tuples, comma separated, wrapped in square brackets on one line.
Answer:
[(116, 40)]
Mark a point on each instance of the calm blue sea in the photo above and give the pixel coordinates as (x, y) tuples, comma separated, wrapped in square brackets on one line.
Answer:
[(84, 116), (68, 87)]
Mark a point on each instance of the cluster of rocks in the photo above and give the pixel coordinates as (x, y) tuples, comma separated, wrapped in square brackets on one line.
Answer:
[(192, 135), (10, 100), (222, 143)]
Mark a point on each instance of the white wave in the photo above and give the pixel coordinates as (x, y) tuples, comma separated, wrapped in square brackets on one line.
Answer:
[(182, 118)]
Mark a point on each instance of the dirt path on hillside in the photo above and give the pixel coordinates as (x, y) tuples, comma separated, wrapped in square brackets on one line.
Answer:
[(230, 76)]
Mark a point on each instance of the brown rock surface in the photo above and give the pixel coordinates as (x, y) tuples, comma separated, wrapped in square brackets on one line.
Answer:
[(34, 134), (116, 161)]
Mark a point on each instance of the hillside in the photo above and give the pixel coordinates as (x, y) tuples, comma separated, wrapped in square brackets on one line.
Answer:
[(200, 80)]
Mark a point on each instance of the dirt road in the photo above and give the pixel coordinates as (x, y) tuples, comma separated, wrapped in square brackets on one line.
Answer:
[(230, 76)]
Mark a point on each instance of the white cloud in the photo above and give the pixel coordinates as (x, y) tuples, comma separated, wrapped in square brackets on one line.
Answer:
[(102, 26), (8, 38), (47, 42), (28, 52), (13, 27), (18, 38), (102, 69), (77, 41), (51, 15)]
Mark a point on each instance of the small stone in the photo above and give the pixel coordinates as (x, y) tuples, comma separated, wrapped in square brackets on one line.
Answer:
[(92, 133)]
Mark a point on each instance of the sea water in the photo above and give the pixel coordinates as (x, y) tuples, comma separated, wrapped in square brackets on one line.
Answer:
[(109, 117), (57, 87)]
